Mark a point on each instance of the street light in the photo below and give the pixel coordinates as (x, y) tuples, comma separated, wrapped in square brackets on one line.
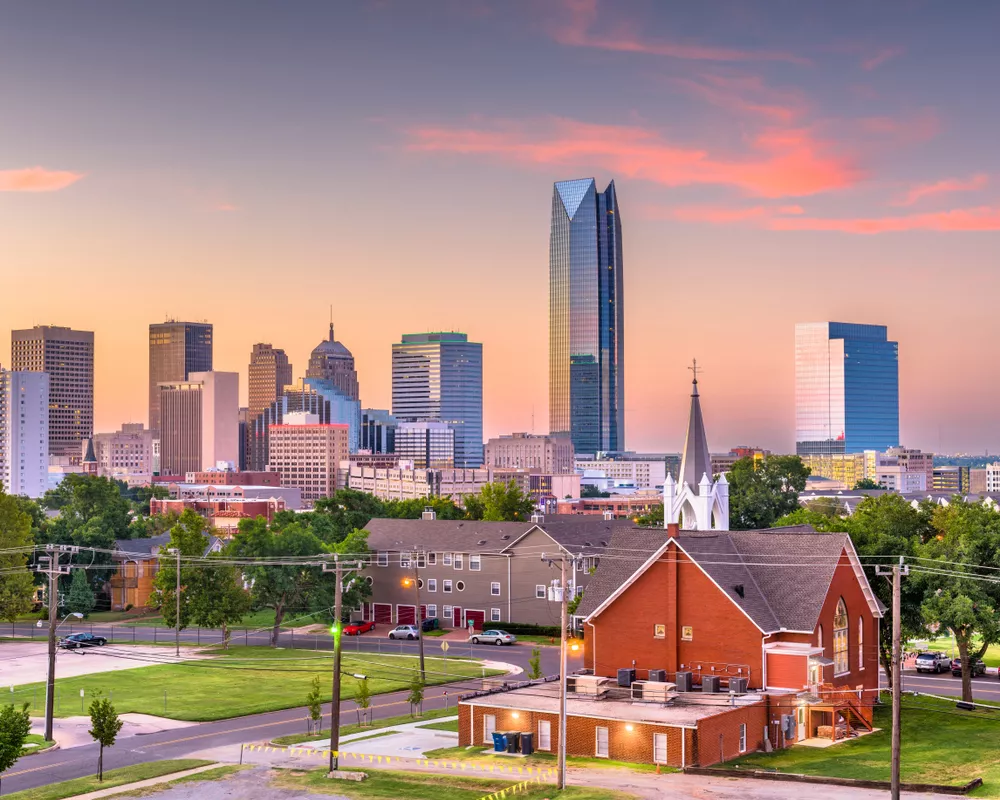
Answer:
[(76, 614), (177, 596)]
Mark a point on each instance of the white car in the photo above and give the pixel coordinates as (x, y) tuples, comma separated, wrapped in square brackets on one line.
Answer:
[(405, 632), (493, 637)]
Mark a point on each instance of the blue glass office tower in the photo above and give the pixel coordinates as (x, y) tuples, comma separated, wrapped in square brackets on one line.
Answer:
[(586, 317), (846, 388), (439, 377)]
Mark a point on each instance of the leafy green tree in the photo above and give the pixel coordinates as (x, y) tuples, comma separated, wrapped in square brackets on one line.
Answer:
[(416, 696), (965, 539), (188, 536), (764, 490), (499, 502), (14, 729), (443, 507), (535, 664), (589, 490), (314, 702), (17, 583), (867, 483), (654, 519), (81, 596), (363, 698), (215, 596), (347, 510), (104, 728), (807, 516)]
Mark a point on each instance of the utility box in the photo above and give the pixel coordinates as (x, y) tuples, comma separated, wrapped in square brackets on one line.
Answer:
[(658, 675), (710, 684), (626, 677), (788, 726), (738, 685), (683, 681)]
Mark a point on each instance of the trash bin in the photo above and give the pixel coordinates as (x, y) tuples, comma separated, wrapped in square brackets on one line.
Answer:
[(499, 743), (527, 743), (513, 742)]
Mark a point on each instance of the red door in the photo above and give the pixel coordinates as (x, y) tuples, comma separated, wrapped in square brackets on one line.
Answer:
[(406, 615), (458, 616), (366, 612), (478, 618), (423, 613), (383, 613)]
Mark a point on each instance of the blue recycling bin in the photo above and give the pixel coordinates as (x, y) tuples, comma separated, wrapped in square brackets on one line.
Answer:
[(499, 743)]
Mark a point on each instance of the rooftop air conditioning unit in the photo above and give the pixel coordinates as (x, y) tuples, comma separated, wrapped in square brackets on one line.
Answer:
[(683, 681), (710, 684), (626, 677), (587, 684), (738, 685), (638, 689), (659, 675), (657, 692)]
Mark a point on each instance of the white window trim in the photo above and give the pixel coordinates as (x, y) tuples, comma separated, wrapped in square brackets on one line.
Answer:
[(486, 732), (432, 559), (666, 747), (447, 587), (447, 612), (743, 737), (405, 560), (548, 746), (494, 615), (432, 585), (861, 644), (432, 607), (597, 741), (382, 559), (458, 560), (495, 585), (446, 559), (543, 594), (421, 560), (475, 562)]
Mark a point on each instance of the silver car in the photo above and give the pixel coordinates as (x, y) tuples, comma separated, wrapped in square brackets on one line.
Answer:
[(404, 632), (493, 637)]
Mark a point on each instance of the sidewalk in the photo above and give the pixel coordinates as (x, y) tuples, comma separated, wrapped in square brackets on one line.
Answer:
[(72, 731), (131, 787)]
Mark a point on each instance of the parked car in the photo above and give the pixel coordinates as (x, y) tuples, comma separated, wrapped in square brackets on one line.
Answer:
[(493, 637), (404, 632), (77, 640), (933, 662), (357, 628), (430, 624), (978, 667)]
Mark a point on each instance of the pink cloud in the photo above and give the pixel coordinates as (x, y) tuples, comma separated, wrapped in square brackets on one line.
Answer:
[(919, 127), (877, 60), (226, 207), (781, 162), (37, 179), (982, 218), (575, 31), (745, 94), (921, 191), (723, 215)]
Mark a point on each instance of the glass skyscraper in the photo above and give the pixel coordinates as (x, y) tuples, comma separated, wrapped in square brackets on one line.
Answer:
[(586, 317), (439, 377), (176, 349), (846, 388)]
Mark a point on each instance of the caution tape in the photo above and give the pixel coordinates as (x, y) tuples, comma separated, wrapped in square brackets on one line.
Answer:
[(523, 786), (538, 773)]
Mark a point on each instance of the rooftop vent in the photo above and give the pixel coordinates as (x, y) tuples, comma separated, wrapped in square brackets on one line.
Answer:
[(429, 513), (505, 537), (538, 518), (587, 544), (609, 514), (738, 588), (481, 542)]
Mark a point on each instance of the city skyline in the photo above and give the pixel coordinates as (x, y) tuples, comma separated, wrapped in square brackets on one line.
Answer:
[(762, 155)]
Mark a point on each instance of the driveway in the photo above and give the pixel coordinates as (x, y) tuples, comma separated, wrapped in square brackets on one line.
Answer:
[(28, 662)]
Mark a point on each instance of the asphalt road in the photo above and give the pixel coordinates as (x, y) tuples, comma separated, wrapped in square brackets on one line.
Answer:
[(61, 765)]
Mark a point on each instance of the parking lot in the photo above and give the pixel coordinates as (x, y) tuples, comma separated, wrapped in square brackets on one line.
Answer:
[(27, 662)]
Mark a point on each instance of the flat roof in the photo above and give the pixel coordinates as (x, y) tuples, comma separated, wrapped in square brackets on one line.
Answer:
[(683, 712)]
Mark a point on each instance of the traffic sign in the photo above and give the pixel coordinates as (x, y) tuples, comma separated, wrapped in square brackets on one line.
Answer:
[(444, 647)]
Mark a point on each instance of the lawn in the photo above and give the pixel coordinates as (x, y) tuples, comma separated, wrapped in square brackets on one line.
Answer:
[(939, 745), (347, 730), (449, 725), (947, 645), (246, 680), (112, 778), (389, 785), (537, 759), (36, 739)]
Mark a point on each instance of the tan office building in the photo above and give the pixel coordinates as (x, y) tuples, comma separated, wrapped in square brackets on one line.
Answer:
[(68, 357), (530, 451), (307, 454), (199, 422), (176, 349), (125, 455)]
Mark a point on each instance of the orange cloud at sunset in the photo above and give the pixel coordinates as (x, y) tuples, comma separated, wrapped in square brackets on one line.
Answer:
[(789, 162), (983, 218), (745, 94), (36, 179), (881, 57), (923, 190)]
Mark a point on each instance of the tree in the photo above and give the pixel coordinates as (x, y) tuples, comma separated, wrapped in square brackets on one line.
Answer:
[(956, 596), (215, 597), (866, 484), (187, 536), (81, 596), (14, 729), (363, 698), (764, 490), (818, 520), (104, 728), (314, 702), (499, 502), (589, 490), (654, 519), (347, 510), (535, 664), (17, 584), (443, 508), (416, 696)]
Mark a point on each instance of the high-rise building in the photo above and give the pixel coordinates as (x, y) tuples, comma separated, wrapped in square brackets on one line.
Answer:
[(378, 431), (199, 422), (979, 480), (331, 361), (586, 317), (951, 479), (125, 455), (429, 444), (846, 388), (24, 432), (528, 451), (439, 377), (176, 349), (269, 373), (307, 454), (68, 357)]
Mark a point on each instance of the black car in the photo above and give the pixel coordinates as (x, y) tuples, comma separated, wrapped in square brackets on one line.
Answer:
[(82, 640), (978, 668)]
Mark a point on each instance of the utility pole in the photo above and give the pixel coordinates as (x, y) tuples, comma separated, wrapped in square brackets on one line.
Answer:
[(420, 620), (561, 763), (54, 570), (898, 572), (177, 597), (338, 595)]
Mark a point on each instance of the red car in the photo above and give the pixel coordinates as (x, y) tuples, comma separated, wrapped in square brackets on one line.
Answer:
[(357, 628)]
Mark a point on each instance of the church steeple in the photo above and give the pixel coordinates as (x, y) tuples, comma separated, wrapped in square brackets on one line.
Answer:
[(696, 462)]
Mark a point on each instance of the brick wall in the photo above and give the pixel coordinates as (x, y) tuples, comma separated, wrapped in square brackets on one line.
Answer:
[(719, 736)]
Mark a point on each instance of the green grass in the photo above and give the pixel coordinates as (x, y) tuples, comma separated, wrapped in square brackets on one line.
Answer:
[(216, 774), (947, 645), (347, 730), (242, 681), (112, 778), (449, 725), (390, 785), (376, 735), (536, 759), (940, 745), (35, 738)]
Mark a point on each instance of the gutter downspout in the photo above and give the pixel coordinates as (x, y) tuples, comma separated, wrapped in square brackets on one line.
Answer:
[(763, 661), (509, 593), (683, 744), (593, 645)]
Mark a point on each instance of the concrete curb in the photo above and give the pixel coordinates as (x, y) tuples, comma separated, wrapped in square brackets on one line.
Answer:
[(722, 772), (131, 787)]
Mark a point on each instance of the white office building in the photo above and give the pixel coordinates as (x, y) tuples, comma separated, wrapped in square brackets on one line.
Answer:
[(24, 432)]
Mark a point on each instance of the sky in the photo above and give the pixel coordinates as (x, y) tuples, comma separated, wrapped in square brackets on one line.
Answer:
[(255, 163)]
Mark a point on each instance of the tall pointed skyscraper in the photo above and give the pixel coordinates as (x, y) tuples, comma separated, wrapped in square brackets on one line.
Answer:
[(586, 317), (333, 362), (700, 502)]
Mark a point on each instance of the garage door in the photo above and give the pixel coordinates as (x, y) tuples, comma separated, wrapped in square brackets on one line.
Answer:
[(382, 613), (476, 617), (406, 615)]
